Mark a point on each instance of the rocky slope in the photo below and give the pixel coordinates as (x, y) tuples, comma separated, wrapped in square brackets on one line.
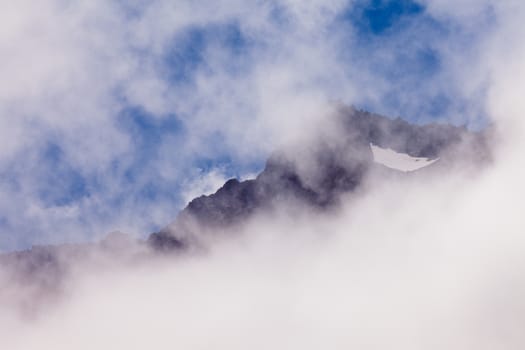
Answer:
[(314, 173), (318, 173)]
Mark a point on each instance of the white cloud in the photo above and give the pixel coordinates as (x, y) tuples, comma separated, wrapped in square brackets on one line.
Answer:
[(205, 183), (422, 264), (70, 68)]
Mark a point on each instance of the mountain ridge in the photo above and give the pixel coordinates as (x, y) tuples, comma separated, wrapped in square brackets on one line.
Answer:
[(315, 175), (335, 168)]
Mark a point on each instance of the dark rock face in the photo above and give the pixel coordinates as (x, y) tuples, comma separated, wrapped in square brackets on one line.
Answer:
[(430, 140), (165, 242), (337, 163), (314, 173)]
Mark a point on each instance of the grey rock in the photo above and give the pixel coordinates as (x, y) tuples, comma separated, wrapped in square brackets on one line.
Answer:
[(337, 164)]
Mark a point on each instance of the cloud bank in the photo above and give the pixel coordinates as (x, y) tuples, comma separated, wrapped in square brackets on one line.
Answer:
[(111, 109), (428, 263)]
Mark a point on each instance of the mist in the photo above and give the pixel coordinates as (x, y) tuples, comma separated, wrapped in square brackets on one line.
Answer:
[(409, 264), (428, 261)]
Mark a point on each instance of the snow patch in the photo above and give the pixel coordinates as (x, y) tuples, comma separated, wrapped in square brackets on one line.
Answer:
[(399, 161)]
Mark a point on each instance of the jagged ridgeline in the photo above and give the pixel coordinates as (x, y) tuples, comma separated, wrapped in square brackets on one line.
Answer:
[(336, 161), (315, 173)]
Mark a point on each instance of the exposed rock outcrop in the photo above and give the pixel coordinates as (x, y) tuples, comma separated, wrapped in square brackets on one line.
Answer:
[(319, 172)]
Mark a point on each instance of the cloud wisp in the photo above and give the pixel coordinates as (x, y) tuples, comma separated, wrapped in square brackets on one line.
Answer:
[(426, 262), (110, 109)]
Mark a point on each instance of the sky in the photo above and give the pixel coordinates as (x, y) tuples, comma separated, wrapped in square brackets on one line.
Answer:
[(114, 114)]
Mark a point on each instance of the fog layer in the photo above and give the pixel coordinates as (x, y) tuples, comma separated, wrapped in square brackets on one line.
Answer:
[(433, 262)]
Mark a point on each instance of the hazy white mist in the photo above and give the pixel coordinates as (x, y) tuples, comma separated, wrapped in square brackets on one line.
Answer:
[(424, 263)]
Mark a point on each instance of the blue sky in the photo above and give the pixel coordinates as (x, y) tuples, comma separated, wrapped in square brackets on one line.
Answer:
[(118, 124)]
